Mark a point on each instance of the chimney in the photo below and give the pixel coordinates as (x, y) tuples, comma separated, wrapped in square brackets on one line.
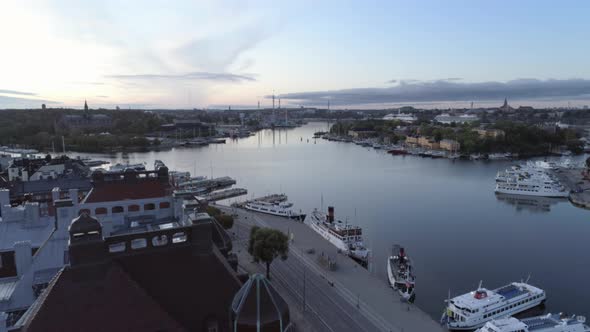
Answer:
[(22, 256), (4, 199), (3, 318), (330, 214), (32, 213), (74, 196), (86, 243), (55, 194), (63, 217)]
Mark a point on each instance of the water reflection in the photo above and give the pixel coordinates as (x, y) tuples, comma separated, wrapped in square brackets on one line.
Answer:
[(529, 203)]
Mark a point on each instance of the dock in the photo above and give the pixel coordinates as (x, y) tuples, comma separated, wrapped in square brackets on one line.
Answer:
[(573, 179), (222, 194), (272, 199), (367, 298), (207, 184)]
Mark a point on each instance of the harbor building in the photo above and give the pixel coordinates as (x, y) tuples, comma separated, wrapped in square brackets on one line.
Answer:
[(412, 140), (447, 118), (490, 133), (28, 178), (505, 107), (450, 145), (163, 279), (361, 133), (399, 116), (86, 120), (34, 235), (428, 143)]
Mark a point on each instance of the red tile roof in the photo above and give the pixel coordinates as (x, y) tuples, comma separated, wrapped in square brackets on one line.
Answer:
[(118, 191), (150, 289), (103, 300)]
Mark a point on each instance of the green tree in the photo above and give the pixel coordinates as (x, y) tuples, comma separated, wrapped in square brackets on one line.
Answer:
[(266, 244), (225, 220)]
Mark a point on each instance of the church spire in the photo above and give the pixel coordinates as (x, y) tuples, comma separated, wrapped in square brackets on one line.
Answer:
[(85, 106)]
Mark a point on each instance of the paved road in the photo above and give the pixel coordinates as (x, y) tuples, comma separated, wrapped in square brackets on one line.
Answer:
[(325, 308), (349, 298)]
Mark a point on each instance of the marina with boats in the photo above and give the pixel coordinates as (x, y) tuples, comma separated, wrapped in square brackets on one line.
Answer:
[(546, 323), (381, 252)]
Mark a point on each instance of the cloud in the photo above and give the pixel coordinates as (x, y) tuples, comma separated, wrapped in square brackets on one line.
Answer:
[(446, 90), (217, 52), (17, 102), (20, 93), (207, 76)]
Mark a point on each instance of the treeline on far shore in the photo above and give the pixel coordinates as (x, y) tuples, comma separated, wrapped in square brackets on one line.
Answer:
[(521, 138), (40, 129)]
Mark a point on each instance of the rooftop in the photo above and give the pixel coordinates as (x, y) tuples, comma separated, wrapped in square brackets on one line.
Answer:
[(168, 279), (129, 185)]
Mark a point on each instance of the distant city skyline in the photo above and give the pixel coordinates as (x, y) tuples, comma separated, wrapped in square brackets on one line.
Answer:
[(370, 54)]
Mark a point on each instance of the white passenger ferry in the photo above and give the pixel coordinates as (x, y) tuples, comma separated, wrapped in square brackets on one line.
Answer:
[(531, 186), (348, 238), (472, 310), (547, 323), (281, 209)]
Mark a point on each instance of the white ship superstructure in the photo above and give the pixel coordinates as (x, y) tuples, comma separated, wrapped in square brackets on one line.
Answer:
[(472, 310), (346, 237), (531, 186), (281, 209), (532, 179), (546, 323)]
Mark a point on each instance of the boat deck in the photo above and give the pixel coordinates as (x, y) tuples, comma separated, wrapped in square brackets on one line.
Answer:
[(540, 323), (510, 291)]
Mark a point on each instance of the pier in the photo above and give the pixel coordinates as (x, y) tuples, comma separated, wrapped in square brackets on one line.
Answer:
[(272, 199), (346, 297), (573, 179), (222, 194)]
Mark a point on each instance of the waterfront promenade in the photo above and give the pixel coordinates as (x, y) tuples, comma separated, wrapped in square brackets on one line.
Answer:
[(364, 301), (573, 180)]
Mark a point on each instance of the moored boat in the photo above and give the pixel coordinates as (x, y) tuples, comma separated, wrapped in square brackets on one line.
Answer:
[(281, 209), (472, 310), (346, 237), (546, 323), (400, 273)]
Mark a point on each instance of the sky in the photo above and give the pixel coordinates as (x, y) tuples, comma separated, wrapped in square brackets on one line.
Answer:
[(352, 54)]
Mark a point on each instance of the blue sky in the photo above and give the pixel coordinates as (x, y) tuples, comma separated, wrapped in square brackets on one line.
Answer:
[(180, 54)]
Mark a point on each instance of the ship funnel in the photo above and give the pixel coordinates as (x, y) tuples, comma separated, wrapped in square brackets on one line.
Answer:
[(330, 214)]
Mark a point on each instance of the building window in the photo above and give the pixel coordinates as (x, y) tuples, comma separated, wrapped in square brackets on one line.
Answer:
[(164, 205), (179, 237), (160, 240), (118, 209), (149, 206), (87, 211), (100, 210), (133, 208), (117, 247), (138, 243)]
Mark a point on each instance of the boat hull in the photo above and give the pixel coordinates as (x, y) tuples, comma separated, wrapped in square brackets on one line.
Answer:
[(361, 257), (294, 216), (500, 190)]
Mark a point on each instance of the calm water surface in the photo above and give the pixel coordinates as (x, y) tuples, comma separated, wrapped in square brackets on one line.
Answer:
[(445, 213)]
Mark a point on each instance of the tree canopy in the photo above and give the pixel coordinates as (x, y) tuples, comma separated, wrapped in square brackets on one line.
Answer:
[(267, 244)]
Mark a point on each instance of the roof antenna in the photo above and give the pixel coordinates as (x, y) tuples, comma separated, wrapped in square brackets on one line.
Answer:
[(480, 283), (527, 279)]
